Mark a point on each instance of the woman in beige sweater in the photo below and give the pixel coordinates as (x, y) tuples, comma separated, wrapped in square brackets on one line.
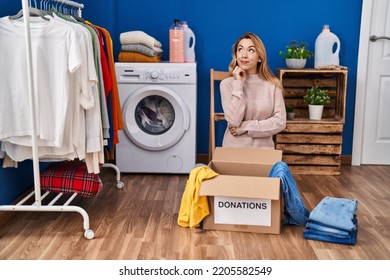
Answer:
[(252, 98)]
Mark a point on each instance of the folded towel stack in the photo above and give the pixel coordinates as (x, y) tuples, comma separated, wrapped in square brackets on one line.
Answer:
[(137, 46), (333, 220)]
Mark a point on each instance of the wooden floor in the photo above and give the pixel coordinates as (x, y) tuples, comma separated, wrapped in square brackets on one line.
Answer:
[(139, 222)]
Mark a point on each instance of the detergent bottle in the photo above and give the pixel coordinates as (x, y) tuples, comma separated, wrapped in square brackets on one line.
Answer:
[(176, 42), (326, 53), (189, 43)]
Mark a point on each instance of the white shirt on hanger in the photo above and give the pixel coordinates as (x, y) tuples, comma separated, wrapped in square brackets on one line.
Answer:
[(56, 55)]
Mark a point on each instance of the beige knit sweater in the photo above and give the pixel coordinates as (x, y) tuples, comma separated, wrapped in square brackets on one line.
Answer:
[(256, 107), (140, 37)]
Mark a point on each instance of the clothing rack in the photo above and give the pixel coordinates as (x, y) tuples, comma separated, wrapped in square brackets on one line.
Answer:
[(37, 205)]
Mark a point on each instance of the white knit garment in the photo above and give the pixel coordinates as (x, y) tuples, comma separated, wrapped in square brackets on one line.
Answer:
[(139, 37)]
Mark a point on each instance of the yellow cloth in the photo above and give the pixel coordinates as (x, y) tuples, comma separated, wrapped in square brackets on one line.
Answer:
[(137, 57), (193, 207)]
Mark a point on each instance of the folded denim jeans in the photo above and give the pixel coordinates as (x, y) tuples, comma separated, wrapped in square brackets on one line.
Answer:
[(348, 240), (330, 236), (335, 212), (318, 227), (325, 231)]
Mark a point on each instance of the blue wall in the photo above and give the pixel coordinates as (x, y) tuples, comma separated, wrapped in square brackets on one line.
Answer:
[(217, 24)]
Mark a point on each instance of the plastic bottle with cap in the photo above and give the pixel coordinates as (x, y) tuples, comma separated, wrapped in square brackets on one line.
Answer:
[(327, 48), (189, 43), (176, 42)]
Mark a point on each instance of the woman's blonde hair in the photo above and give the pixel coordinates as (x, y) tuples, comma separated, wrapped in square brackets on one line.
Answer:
[(262, 67)]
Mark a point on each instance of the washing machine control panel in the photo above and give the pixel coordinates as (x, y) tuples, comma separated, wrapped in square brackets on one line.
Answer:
[(159, 73), (166, 75)]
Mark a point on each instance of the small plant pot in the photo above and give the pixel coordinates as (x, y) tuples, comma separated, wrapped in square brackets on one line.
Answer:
[(315, 112), (295, 63), (290, 115)]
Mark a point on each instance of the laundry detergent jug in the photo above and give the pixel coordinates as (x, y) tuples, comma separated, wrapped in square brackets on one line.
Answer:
[(327, 48), (189, 43), (176, 42)]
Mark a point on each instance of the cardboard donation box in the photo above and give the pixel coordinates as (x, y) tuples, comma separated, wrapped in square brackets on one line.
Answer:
[(242, 197)]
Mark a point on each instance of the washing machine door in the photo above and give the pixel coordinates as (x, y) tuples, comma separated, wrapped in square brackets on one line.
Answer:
[(156, 118)]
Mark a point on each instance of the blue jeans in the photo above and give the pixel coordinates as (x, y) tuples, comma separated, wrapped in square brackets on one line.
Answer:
[(295, 211), (335, 213), (328, 236), (317, 227)]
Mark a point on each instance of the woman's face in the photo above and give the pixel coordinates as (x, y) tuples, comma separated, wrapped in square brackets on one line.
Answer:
[(247, 57)]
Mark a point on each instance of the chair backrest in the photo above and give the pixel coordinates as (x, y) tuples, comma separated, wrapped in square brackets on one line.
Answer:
[(215, 76)]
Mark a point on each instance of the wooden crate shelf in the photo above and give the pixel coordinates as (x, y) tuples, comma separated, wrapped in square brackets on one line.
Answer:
[(313, 147)]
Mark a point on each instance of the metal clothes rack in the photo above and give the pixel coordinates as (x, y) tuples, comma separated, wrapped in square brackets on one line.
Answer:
[(38, 206)]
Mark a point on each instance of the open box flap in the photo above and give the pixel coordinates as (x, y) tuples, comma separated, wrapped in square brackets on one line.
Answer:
[(247, 155), (242, 186)]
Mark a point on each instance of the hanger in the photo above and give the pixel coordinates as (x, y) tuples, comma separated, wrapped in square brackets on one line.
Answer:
[(32, 12), (46, 6), (43, 5)]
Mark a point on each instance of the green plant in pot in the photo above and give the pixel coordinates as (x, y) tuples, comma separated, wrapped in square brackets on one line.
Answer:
[(290, 112), (296, 54), (316, 98)]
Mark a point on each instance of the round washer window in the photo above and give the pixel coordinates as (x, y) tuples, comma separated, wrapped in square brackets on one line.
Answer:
[(154, 114)]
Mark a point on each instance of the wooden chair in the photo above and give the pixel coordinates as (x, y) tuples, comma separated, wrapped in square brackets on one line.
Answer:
[(215, 78)]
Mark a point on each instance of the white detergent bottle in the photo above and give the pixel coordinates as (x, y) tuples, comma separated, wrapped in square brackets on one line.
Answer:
[(189, 43), (326, 53)]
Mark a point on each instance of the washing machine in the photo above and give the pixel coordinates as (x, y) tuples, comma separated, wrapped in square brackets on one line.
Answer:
[(159, 111)]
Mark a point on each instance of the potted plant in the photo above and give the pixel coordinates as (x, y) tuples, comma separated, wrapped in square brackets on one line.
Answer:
[(290, 112), (316, 98), (296, 54)]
